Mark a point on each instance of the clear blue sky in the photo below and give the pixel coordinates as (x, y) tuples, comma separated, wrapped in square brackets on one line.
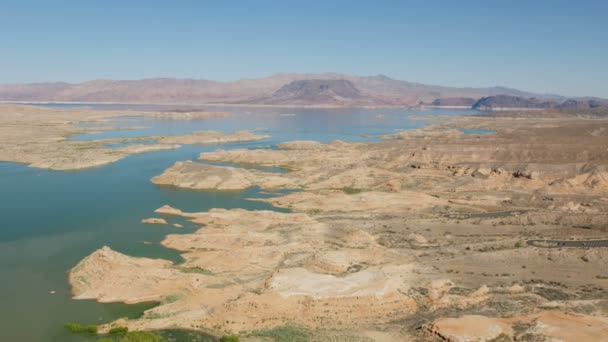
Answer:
[(537, 45)]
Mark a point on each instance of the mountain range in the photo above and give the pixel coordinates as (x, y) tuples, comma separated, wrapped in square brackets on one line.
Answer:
[(324, 89), (517, 102)]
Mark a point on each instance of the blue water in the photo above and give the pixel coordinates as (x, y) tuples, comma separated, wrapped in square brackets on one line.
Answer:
[(476, 131), (51, 220), (284, 124)]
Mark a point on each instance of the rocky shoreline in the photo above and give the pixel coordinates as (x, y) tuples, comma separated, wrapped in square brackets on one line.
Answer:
[(421, 236), (40, 137)]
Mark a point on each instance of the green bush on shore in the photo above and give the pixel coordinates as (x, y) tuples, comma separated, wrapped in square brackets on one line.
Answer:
[(122, 333), (230, 338), (78, 328), (119, 330)]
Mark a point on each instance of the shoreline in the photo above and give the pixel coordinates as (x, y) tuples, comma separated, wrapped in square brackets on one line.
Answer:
[(405, 228), (47, 144)]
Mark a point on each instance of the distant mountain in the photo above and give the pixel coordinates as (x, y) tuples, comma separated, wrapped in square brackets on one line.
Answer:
[(517, 102), (279, 89), (583, 104), (454, 102), (319, 92), (506, 101)]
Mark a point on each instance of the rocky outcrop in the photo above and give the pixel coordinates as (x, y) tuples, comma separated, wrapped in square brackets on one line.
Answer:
[(555, 326), (199, 176), (369, 201), (154, 220), (469, 328), (246, 270), (209, 137), (99, 275)]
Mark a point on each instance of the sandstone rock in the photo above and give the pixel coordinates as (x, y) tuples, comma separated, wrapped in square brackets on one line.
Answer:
[(154, 220), (469, 328), (211, 137)]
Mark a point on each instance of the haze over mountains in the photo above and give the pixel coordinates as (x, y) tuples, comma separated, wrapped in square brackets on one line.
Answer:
[(325, 89)]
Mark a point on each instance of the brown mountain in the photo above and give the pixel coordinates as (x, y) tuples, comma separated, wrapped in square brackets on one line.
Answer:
[(319, 92), (279, 89)]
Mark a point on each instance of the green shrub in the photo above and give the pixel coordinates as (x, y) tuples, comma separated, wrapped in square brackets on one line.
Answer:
[(119, 330), (230, 338), (519, 244), (78, 328)]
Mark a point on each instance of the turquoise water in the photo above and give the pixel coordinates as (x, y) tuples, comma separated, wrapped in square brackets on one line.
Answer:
[(476, 131), (51, 220)]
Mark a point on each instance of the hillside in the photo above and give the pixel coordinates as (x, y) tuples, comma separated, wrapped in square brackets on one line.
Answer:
[(518, 102), (505, 101), (371, 90), (320, 92), (454, 102)]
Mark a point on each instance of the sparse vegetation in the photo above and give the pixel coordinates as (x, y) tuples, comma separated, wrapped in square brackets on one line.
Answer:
[(314, 211), (171, 298), (519, 244), (156, 315), (77, 328), (285, 333), (350, 190), (196, 270), (119, 330)]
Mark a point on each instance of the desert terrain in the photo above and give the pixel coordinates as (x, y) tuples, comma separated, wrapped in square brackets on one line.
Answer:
[(429, 235), (40, 137)]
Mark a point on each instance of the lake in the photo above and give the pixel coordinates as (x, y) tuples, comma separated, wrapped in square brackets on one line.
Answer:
[(53, 219)]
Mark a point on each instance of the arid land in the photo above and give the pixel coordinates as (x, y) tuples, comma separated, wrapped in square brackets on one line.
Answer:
[(431, 234), (40, 137)]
